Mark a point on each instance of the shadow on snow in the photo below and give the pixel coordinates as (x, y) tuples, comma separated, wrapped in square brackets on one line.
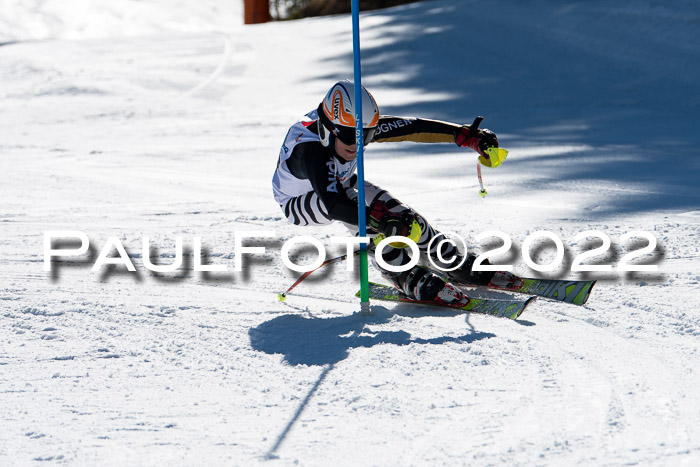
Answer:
[(322, 341)]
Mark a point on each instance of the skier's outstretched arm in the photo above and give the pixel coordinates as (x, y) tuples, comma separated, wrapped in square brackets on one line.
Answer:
[(422, 130), (418, 130)]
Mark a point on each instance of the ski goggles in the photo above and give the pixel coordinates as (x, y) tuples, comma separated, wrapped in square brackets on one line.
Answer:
[(346, 135)]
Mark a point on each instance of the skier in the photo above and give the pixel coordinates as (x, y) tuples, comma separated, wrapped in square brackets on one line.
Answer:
[(315, 184)]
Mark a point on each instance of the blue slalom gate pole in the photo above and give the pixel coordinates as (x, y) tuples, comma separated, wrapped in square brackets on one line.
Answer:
[(359, 140)]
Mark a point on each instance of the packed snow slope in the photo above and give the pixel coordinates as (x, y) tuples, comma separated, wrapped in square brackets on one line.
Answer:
[(164, 119)]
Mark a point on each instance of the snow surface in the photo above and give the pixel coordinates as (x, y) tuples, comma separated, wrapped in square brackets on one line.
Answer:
[(164, 119)]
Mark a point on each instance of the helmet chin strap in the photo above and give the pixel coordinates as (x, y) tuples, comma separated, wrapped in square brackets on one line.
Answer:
[(331, 145), (324, 133), (331, 139)]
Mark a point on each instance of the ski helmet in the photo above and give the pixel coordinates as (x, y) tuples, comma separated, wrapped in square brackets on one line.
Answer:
[(336, 114)]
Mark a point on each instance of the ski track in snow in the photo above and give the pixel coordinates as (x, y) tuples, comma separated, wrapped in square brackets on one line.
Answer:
[(152, 128)]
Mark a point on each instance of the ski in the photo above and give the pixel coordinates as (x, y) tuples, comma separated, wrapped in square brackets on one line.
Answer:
[(504, 308), (568, 291), (574, 292)]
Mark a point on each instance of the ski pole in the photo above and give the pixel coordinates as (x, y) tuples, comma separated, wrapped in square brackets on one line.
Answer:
[(475, 128), (483, 191), (475, 125), (283, 296)]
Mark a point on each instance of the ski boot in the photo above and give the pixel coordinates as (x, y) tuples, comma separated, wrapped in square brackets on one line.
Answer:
[(506, 280), (465, 274), (424, 285)]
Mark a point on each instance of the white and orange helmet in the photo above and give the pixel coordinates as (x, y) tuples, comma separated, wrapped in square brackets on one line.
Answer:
[(336, 114)]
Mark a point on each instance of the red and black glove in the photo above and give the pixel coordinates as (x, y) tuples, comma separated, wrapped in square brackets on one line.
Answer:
[(478, 140), (390, 223)]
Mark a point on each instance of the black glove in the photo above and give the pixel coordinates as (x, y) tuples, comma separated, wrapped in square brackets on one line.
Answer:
[(478, 140), (390, 223)]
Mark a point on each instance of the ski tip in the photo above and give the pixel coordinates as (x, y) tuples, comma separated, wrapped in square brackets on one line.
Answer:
[(588, 293), (584, 294), (281, 297), (525, 305)]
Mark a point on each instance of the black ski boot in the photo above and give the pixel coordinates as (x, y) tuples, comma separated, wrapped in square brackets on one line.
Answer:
[(464, 273), (422, 284)]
